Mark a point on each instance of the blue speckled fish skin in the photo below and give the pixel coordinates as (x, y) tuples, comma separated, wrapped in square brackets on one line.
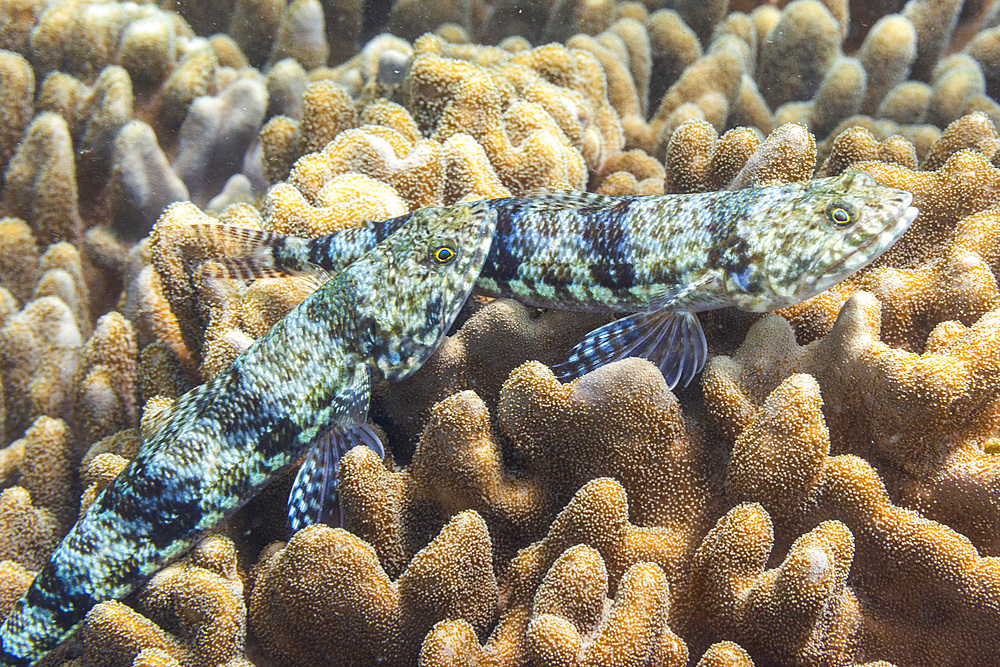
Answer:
[(665, 256), (223, 441), (759, 249)]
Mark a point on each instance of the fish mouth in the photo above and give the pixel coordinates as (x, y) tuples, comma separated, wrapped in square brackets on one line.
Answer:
[(893, 221)]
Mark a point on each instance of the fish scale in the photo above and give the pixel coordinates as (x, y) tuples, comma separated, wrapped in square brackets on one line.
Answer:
[(662, 257), (219, 444)]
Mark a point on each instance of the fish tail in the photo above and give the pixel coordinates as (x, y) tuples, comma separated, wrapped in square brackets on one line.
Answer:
[(40, 620), (247, 254)]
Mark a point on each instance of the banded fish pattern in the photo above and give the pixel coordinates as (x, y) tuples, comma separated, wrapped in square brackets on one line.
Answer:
[(663, 258), (306, 381)]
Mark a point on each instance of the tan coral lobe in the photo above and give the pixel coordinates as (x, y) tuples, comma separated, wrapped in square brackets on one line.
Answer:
[(371, 606)]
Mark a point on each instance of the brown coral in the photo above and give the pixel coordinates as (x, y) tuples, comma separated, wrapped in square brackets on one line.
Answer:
[(537, 123), (18, 258), (105, 384), (912, 437), (345, 200), (48, 466), (39, 347), (886, 54), (725, 654), (197, 603), (413, 170), (30, 534), (17, 81), (114, 634), (202, 601), (40, 182), (571, 622), (912, 557), (14, 581), (798, 52), (907, 380), (379, 620), (782, 596), (498, 337), (459, 440)]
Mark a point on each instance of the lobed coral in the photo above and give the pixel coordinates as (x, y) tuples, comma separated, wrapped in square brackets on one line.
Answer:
[(380, 620), (199, 599), (809, 62), (826, 496), (816, 512), (127, 79)]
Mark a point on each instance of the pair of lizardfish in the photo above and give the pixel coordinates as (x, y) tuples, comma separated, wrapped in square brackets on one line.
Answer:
[(304, 386)]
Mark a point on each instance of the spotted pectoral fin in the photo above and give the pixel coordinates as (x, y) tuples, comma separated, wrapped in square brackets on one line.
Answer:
[(674, 342), (315, 496)]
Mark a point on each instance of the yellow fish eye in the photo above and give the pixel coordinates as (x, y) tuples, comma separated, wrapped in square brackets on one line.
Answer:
[(840, 215), (443, 254)]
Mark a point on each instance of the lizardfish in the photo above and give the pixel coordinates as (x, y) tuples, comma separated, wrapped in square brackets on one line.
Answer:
[(306, 380), (661, 257)]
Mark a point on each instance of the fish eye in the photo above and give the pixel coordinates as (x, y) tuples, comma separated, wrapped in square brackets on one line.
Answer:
[(443, 254), (839, 214)]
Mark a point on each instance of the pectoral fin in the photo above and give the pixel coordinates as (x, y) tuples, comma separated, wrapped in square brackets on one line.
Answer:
[(692, 296), (674, 342), (315, 496)]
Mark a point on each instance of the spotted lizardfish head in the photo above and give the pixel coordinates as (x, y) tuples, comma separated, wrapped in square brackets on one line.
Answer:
[(415, 282), (804, 238)]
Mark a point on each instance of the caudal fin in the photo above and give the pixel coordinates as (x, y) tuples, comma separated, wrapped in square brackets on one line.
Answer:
[(244, 253)]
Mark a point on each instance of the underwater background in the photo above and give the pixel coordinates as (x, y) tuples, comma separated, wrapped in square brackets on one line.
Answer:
[(826, 493)]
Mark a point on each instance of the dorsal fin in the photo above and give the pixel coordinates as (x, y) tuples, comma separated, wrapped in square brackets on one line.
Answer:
[(229, 268), (557, 199), (232, 240)]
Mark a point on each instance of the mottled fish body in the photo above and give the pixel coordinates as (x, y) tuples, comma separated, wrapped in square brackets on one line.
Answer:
[(662, 257), (303, 384), (758, 249)]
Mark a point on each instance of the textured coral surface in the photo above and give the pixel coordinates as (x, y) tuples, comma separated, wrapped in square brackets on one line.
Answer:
[(826, 494)]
